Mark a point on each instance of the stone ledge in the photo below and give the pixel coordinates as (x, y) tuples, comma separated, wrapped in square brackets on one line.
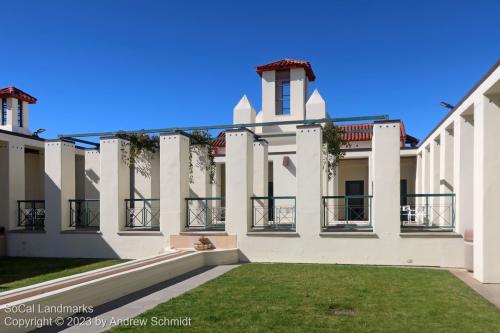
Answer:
[(23, 231), (140, 233), (430, 234), (203, 233), (88, 232), (273, 233), (348, 234)]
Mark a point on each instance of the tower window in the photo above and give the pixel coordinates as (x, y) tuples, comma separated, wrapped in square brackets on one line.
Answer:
[(4, 111), (282, 92), (20, 113)]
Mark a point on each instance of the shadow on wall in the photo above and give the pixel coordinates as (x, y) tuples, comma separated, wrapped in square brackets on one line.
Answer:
[(289, 165)]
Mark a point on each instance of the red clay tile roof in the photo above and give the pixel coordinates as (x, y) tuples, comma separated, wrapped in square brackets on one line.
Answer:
[(284, 64), (17, 93), (220, 141), (366, 136)]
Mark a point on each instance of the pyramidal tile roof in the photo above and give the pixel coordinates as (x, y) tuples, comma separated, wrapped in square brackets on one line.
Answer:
[(285, 64), (17, 93)]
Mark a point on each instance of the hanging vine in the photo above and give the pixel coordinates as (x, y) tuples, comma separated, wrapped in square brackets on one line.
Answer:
[(141, 150), (201, 146), (332, 145)]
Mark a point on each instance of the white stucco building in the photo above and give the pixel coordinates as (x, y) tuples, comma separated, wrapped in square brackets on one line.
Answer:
[(391, 201)]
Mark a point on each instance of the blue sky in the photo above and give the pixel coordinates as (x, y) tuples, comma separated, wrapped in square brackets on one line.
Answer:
[(109, 65)]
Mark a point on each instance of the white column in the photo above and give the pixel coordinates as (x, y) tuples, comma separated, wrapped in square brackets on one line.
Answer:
[(260, 176), (486, 190), (418, 178), (92, 173), (114, 184), (261, 168), (174, 182), (309, 212), (386, 178), (434, 202), (200, 183), (239, 180), (446, 161), (59, 184), (15, 180), (463, 172)]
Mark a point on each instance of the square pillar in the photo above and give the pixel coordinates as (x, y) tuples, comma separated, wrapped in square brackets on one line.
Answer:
[(386, 178), (309, 210), (114, 184), (239, 180), (92, 173), (463, 173), (260, 175), (486, 190), (174, 181), (260, 168), (59, 184), (446, 161), (434, 174), (13, 153)]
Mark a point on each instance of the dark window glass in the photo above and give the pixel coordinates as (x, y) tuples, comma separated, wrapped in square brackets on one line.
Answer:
[(4, 111), (20, 113)]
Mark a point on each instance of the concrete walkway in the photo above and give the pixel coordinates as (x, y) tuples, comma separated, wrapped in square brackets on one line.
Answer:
[(490, 291), (134, 304)]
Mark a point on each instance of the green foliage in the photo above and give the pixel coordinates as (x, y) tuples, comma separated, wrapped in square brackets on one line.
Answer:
[(201, 145), (142, 148), (22, 272), (332, 145), (139, 144)]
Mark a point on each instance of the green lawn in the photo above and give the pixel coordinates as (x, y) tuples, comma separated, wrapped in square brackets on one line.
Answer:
[(328, 298), (21, 272)]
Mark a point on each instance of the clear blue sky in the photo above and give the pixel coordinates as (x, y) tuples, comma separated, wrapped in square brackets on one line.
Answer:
[(109, 65)]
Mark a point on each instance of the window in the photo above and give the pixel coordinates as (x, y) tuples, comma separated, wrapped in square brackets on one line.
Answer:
[(4, 111), (20, 113), (282, 92)]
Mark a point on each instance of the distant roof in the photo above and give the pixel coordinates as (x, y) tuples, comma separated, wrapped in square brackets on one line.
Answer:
[(17, 93), (284, 64), (351, 135)]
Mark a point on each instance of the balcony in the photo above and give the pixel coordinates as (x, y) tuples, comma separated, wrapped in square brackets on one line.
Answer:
[(428, 212), (207, 214), (142, 214), (84, 213), (273, 213), (31, 214), (347, 213)]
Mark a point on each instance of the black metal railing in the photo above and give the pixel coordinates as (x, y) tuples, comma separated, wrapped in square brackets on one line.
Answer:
[(31, 214), (84, 213), (435, 210), (206, 213), (142, 213), (274, 213), (347, 212)]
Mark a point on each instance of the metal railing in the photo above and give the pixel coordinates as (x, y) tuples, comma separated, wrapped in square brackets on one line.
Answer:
[(84, 213), (142, 214), (435, 210), (348, 211), (274, 213), (31, 214), (206, 213)]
